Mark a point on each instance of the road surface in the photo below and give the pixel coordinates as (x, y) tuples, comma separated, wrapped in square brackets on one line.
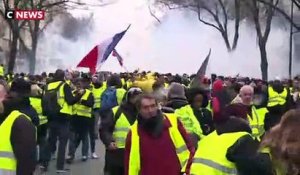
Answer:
[(90, 167)]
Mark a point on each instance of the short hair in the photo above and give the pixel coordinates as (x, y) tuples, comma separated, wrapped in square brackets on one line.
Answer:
[(247, 87), (145, 96)]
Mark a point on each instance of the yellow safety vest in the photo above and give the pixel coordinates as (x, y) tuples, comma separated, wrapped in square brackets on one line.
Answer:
[(65, 107), (121, 130), (36, 103), (275, 98), (129, 84), (1, 71), (120, 94), (189, 120), (210, 158), (82, 110), (182, 151), (97, 92), (8, 163), (123, 82), (257, 121)]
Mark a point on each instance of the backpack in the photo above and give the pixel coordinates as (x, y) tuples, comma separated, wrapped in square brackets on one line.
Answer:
[(109, 99), (50, 104)]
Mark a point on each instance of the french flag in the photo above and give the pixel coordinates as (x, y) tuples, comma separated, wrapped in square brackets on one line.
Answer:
[(100, 53)]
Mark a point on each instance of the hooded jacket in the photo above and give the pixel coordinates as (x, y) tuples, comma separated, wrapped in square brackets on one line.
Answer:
[(244, 153), (107, 126)]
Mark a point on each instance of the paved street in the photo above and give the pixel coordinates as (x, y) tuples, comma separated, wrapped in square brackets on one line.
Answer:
[(91, 167)]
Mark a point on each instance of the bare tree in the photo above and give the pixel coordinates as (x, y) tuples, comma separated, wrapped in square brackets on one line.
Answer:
[(36, 27), (14, 26), (262, 16), (217, 11)]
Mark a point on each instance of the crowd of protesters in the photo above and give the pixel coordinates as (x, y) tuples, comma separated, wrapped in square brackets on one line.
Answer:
[(154, 123)]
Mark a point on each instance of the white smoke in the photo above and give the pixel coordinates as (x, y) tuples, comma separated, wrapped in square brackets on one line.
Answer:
[(177, 45)]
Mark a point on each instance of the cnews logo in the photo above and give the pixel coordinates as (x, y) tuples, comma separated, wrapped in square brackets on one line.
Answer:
[(25, 14)]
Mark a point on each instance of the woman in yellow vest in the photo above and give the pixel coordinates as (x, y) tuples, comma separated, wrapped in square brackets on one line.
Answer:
[(230, 150), (196, 119), (283, 144), (81, 120), (114, 128), (157, 143)]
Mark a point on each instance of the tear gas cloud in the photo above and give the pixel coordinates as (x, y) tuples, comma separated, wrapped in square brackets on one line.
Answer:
[(178, 45)]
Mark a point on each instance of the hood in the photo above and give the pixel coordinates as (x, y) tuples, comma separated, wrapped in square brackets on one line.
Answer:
[(176, 103), (233, 124)]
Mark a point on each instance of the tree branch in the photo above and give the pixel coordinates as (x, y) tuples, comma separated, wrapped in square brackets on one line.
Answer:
[(255, 13), (286, 16), (297, 3), (205, 22), (47, 6), (152, 14), (269, 20), (237, 23), (23, 44)]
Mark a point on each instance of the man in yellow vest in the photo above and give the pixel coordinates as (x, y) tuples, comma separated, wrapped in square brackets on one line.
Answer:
[(42, 129), (157, 143), (278, 95), (59, 123), (114, 129), (81, 120), (97, 89), (17, 142), (231, 149), (256, 116)]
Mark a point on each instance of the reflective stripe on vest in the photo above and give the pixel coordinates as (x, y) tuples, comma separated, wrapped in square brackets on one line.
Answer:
[(82, 110), (211, 155), (275, 98), (8, 163), (215, 165), (182, 151), (36, 103), (189, 120), (257, 121), (121, 130)]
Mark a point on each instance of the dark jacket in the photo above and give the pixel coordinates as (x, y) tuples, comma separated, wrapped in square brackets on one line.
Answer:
[(244, 153), (204, 117), (176, 103), (22, 138), (156, 149), (70, 100), (107, 126), (273, 117), (81, 122)]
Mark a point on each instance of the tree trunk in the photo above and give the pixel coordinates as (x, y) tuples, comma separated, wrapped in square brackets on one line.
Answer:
[(237, 24), (226, 40), (264, 60), (32, 58), (13, 48)]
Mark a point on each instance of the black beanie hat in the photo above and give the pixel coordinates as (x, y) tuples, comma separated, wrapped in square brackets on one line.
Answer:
[(21, 87)]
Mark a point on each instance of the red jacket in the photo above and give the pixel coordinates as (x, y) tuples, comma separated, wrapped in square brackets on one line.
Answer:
[(158, 155)]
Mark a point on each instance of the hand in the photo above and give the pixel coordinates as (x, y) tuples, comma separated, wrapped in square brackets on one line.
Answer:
[(112, 146), (81, 91)]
